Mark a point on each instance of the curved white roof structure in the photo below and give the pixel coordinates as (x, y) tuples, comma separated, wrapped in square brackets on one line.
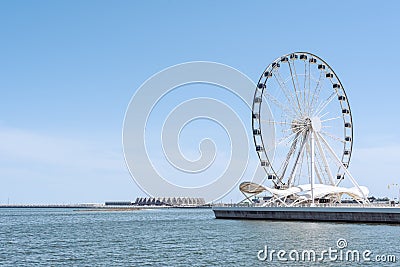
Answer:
[(320, 191), (302, 193)]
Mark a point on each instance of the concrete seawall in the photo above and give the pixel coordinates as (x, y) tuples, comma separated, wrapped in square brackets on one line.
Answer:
[(338, 214)]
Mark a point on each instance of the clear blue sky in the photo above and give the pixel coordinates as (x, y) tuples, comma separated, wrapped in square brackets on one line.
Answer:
[(69, 68)]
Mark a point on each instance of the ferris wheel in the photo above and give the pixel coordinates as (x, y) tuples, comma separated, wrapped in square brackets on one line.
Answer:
[(312, 138)]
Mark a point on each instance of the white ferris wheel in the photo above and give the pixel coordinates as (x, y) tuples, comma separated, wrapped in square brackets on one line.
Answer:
[(307, 154)]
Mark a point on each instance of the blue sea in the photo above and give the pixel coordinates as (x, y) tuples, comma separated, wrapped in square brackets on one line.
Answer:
[(186, 237)]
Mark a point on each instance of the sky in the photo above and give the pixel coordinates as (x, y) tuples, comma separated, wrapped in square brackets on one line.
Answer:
[(68, 70)]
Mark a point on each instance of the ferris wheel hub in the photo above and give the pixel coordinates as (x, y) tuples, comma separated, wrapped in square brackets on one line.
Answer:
[(313, 123), (316, 124), (297, 125)]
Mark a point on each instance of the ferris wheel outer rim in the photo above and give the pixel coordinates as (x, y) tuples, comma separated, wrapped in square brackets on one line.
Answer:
[(277, 60)]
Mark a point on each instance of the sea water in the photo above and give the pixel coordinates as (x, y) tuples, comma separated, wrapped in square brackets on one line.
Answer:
[(186, 237)]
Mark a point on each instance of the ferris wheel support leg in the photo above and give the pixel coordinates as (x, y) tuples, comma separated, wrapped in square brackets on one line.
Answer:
[(345, 169), (246, 198), (312, 168), (294, 170), (308, 149), (326, 165)]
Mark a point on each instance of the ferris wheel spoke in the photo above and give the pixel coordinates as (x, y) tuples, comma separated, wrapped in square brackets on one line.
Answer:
[(298, 135), (280, 105), (304, 88), (323, 115), (312, 166), (300, 170), (325, 103), (294, 87), (297, 80), (289, 96), (277, 122), (319, 170), (296, 163), (283, 139), (324, 159), (301, 133), (333, 137), (309, 157), (309, 89), (317, 89), (290, 153), (285, 164), (331, 119), (323, 173), (306, 93), (287, 130), (318, 173), (282, 122)]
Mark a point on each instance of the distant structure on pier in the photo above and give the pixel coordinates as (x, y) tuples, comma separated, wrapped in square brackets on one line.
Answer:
[(169, 201)]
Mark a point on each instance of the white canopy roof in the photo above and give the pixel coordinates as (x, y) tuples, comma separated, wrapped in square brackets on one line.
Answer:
[(320, 190)]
